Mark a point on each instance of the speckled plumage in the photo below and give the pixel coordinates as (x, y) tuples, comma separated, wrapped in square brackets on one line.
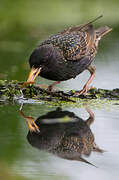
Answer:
[(65, 55), (69, 140), (70, 53), (74, 44)]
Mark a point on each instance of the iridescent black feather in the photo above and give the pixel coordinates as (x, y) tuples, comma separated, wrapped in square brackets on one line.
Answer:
[(73, 44), (65, 55)]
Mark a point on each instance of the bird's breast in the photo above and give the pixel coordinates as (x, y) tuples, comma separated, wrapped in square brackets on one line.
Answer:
[(64, 70)]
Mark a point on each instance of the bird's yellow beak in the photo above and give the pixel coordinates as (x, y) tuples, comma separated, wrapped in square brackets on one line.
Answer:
[(32, 76)]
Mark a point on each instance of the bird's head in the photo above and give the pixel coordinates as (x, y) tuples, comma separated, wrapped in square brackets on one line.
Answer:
[(40, 57)]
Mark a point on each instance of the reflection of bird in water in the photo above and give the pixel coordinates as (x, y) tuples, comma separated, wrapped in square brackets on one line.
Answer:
[(67, 54), (64, 134)]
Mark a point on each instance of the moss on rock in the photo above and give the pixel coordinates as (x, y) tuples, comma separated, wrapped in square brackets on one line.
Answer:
[(10, 89)]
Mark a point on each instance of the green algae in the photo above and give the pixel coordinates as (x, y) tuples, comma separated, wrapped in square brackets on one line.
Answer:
[(95, 97)]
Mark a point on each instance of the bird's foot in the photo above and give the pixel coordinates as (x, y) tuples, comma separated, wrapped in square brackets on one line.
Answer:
[(32, 125), (30, 122), (51, 89), (83, 91)]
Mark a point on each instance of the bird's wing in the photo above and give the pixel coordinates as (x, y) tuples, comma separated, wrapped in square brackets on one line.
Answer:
[(82, 27), (76, 42)]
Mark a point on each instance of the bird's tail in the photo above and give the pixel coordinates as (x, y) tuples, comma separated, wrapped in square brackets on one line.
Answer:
[(100, 32)]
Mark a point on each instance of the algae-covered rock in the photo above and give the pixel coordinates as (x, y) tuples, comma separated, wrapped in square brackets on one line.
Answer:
[(11, 89)]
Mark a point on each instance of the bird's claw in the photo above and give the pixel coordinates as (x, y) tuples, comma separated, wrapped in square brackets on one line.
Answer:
[(83, 91), (30, 122), (51, 89), (32, 126)]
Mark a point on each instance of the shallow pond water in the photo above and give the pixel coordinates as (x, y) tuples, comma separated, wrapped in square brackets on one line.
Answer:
[(37, 157)]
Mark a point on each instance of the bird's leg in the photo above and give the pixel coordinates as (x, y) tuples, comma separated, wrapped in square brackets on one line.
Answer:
[(50, 88), (90, 120), (30, 122), (86, 87)]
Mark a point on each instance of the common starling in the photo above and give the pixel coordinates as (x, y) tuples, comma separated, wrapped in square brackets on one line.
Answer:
[(65, 55), (64, 134)]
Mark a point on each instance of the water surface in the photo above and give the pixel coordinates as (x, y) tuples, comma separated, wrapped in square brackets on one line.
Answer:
[(34, 163)]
